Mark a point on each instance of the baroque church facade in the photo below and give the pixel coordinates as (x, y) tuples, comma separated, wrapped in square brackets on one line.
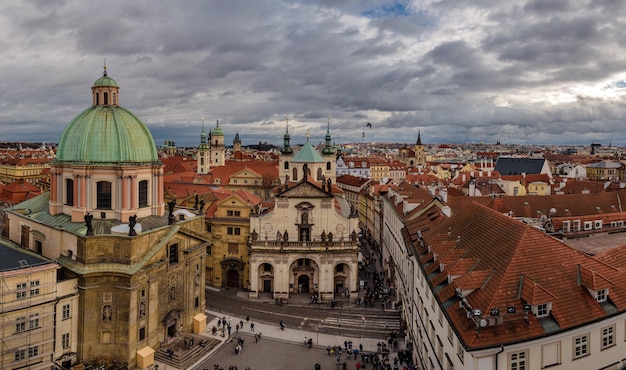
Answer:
[(140, 266), (306, 242)]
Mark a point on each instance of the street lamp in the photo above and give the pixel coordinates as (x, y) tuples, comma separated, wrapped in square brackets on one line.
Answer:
[(156, 367)]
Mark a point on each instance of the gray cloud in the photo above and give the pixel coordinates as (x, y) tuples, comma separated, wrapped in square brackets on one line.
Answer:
[(462, 71)]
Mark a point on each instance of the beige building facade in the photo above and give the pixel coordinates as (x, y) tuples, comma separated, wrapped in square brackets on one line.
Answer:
[(306, 244)]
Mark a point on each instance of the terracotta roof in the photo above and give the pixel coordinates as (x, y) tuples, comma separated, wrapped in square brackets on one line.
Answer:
[(18, 191), (500, 255)]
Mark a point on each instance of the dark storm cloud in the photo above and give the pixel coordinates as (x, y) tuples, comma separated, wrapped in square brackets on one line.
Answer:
[(460, 71)]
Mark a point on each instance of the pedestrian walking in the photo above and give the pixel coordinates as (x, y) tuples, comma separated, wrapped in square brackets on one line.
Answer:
[(252, 326), (237, 327), (247, 318), (317, 366)]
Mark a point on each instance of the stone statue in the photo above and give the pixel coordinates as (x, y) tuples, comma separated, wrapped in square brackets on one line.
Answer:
[(132, 221), (201, 204), (330, 237), (286, 236), (195, 204), (170, 206), (323, 236), (88, 219)]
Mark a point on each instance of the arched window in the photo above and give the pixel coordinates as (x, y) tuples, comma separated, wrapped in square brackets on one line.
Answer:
[(97, 98), (201, 161), (328, 166), (319, 174), (69, 192), (295, 174), (114, 99), (106, 98), (215, 142), (103, 197), (286, 165), (143, 193)]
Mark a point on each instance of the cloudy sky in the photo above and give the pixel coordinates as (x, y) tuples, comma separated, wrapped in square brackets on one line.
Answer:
[(460, 71)]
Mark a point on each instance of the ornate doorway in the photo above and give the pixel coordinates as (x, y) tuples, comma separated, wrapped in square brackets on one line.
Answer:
[(303, 283), (232, 278)]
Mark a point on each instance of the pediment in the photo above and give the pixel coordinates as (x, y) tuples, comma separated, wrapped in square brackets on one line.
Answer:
[(304, 190)]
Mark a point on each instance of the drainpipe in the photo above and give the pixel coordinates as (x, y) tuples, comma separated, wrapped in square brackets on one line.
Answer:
[(497, 353)]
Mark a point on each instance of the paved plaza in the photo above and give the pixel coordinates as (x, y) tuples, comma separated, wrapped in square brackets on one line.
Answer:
[(274, 354)]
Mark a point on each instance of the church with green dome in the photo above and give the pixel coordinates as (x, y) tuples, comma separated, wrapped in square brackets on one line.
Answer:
[(107, 162), (139, 266)]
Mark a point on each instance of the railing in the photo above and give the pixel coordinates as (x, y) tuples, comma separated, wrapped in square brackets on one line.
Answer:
[(315, 245)]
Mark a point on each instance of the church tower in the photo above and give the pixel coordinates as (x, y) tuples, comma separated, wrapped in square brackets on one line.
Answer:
[(286, 154), (328, 153), (218, 151), (420, 155), (203, 155), (236, 143)]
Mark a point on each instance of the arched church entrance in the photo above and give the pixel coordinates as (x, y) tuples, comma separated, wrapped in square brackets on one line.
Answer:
[(232, 278), (232, 273), (341, 280), (303, 284), (305, 276)]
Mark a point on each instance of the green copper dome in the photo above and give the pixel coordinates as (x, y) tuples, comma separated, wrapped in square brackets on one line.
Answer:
[(307, 154), (105, 81), (217, 131), (106, 134)]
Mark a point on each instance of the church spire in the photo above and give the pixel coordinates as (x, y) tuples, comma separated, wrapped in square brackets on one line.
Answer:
[(328, 146), (286, 139), (419, 138)]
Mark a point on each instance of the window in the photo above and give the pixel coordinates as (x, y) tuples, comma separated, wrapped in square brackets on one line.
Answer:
[(196, 303), (233, 230), (106, 98), (295, 174), (20, 324), (450, 334), (34, 287), (608, 337), (460, 352), (209, 227), (542, 310), (114, 99), (66, 312), (142, 333), (69, 192), (208, 250), (20, 354), (143, 193), (233, 213), (328, 166), (103, 197), (517, 361), (286, 165), (581, 347), (173, 254), (20, 291), (339, 268), (601, 295), (34, 321), (267, 267), (33, 351), (65, 340)]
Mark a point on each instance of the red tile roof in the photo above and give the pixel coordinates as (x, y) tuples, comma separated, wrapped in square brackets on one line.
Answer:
[(500, 257)]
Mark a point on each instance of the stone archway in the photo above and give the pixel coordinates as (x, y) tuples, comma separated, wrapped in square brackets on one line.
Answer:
[(232, 278), (232, 273), (304, 284), (305, 276)]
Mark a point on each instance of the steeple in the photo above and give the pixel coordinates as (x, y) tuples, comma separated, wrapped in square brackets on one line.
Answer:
[(328, 149), (203, 142), (419, 138), (237, 143), (286, 138)]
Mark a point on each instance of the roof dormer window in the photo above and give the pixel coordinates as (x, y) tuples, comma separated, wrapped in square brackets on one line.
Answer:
[(601, 295), (542, 310)]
